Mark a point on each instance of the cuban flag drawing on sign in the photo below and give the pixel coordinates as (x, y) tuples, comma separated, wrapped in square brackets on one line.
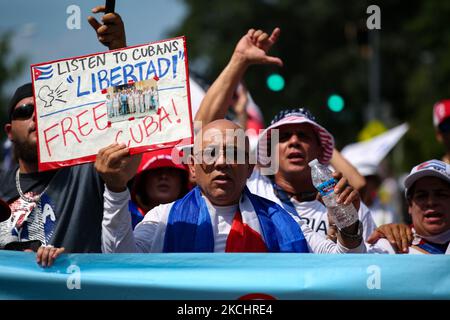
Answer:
[(43, 73)]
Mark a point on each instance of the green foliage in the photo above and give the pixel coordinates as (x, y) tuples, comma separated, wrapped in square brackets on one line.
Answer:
[(10, 68), (324, 47)]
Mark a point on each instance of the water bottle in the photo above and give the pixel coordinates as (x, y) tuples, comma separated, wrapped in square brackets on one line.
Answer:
[(323, 181)]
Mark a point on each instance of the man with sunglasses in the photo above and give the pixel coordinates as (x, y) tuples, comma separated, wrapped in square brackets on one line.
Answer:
[(441, 121), (59, 208)]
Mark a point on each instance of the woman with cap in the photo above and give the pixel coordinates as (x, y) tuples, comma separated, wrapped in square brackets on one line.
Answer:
[(159, 180), (427, 191)]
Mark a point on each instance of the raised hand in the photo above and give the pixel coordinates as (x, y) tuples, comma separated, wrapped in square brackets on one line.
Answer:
[(116, 166), (111, 32), (254, 46)]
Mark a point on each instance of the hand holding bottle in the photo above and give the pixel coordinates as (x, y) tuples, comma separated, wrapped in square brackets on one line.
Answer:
[(336, 194)]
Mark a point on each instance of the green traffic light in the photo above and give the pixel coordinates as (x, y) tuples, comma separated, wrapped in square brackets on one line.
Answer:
[(335, 103), (275, 82)]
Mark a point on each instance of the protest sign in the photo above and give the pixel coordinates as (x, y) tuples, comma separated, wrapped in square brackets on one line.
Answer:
[(137, 95)]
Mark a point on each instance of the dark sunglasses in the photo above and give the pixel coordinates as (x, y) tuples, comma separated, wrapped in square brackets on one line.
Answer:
[(23, 112)]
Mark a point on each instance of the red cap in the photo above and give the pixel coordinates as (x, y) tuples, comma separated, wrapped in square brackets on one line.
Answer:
[(441, 111), (160, 159), (5, 211)]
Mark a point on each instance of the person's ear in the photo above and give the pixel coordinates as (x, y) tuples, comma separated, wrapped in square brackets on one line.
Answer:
[(191, 165), (8, 128)]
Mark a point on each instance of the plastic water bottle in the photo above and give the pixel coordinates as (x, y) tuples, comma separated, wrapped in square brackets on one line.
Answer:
[(323, 181)]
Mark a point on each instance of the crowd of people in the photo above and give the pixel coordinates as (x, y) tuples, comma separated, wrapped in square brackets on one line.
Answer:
[(150, 203)]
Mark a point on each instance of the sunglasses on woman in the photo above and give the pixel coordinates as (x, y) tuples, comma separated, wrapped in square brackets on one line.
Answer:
[(23, 112)]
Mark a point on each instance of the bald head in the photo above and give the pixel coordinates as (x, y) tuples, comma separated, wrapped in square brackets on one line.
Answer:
[(219, 131), (222, 124), (217, 125), (221, 163)]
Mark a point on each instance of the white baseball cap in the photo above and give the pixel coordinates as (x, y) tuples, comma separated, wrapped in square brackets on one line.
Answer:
[(430, 168)]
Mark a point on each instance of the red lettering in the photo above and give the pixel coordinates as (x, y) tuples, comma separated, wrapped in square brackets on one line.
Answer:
[(76, 127), (80, 126), (174, 108), (148, 125), (163, 117), (47, 140), (141, 135), (69, 129), (117, 135), (99, 117)]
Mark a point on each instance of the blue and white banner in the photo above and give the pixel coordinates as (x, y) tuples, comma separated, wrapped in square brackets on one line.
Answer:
[(225, 276)]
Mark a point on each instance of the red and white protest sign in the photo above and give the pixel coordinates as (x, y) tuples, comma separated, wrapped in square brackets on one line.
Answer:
[(138, 96)]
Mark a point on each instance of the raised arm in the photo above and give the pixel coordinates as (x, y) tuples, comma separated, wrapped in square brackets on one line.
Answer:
[(251, 49), (116, 167)]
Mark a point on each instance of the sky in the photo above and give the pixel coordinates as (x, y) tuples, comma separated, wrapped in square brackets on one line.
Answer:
[(41, 32)]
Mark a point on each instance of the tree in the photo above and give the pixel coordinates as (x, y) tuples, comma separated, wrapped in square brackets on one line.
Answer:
[(325, 50), (10, 68)]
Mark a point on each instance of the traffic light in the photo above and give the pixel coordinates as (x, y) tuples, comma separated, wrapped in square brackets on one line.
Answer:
[(335, 103), (275, 82)]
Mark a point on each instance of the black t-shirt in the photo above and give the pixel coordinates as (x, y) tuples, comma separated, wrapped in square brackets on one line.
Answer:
[(29, 182), (69, 213)]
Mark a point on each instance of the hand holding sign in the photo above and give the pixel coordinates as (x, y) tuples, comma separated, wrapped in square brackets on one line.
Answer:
[(253, 47), (116, 166), (112, 32), (138, 96)]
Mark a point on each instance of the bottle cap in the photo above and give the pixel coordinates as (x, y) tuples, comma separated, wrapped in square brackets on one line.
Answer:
[(313, 163)]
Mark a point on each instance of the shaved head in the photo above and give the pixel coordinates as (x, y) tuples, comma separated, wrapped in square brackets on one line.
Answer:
[(220, 161), (213, 128)]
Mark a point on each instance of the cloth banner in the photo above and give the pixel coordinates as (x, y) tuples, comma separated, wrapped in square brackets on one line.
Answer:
[(210, 276)]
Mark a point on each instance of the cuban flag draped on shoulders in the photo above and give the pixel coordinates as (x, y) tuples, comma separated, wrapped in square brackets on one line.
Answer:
[(260, 225)]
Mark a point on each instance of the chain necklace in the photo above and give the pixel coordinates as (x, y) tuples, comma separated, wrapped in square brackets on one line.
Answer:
[(24, 197), (35, 206)]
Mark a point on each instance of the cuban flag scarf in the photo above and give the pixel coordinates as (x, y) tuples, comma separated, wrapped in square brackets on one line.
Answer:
[(189, 227), (435, 244)]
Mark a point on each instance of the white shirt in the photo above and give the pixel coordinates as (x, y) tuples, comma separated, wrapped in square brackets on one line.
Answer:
[(148, 236), (383, 245), (313, 213)]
